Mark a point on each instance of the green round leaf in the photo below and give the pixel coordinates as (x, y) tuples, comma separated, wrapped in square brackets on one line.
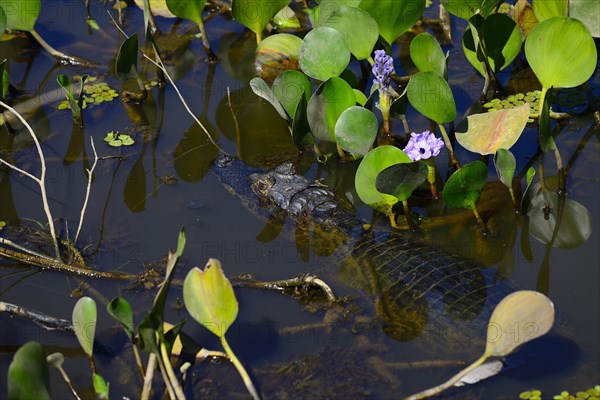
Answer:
[(360, 97), (127, 140), (431, 95), (28, 376), (394, 17), (255, 14), (326, 105), (191, 10), (324, 53), (465, 9), (277, 53), (374, 162), (287, 18), (465, 185), (400, 180), (561, 52), (586, 11), (546, 9), (502, 39), (328, 7), (356, 130), (494, 130), (505, 164), (427, 55), (209, 298), (358, 28), (84, 323), (21, 15), (575, 225), (289, 87)]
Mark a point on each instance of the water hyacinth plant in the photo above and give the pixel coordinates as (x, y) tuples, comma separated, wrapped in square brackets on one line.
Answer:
[(383, 69), (424, 146)]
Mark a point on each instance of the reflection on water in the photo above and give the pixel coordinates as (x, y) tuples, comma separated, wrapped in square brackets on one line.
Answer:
[(364, 347)]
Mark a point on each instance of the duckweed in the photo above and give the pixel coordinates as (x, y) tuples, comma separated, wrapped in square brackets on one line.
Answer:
[(118, 139), (533, 98), (93, 94), (590, 394)]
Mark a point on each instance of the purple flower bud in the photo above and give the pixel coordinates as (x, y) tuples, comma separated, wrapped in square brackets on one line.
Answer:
[(383, 68), (422, 146)]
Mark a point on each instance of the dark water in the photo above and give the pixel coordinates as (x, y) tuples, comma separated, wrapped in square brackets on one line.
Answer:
[(134, 216)]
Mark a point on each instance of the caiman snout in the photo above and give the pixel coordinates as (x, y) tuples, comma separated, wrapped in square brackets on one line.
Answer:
[(223, 161)]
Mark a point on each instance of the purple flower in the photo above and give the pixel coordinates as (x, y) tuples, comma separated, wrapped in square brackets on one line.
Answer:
[(421, 146), (383, 68)]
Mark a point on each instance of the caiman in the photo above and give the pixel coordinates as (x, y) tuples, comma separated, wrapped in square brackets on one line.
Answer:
[(415, 284)]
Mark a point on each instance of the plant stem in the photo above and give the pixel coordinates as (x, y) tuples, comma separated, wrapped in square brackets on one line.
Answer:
[(449, 146), (430, 162), (212, 58), (179, 395), (68, 382), (480, 220), (138, 360), (240, 368), (409, 219), (147, 388), (449, 383)]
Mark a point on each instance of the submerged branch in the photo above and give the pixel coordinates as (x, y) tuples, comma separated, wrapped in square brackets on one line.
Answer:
[(45, 321), (59, 266), (62, 57), (298, 281)]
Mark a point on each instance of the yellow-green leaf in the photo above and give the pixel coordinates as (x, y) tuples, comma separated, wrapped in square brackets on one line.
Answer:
[(209, 298), (491, 131), (84, 323), (520, 317)]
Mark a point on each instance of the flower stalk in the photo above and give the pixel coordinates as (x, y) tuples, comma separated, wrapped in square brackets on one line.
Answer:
[(383, 68)]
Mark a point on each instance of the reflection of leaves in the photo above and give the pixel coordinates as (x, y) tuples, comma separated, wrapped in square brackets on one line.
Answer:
[(135, 186), (194, 152), (257, 129), (575, 225)]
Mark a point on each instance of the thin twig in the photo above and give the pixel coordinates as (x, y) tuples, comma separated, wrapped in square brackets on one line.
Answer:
[(161, 66), (41, 180), (8, 242), (87, 193)]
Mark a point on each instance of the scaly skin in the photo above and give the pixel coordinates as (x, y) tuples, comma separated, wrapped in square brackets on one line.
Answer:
[(412, 282)]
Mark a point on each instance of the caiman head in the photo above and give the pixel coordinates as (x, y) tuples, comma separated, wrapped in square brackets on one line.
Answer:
[(291, 192)]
